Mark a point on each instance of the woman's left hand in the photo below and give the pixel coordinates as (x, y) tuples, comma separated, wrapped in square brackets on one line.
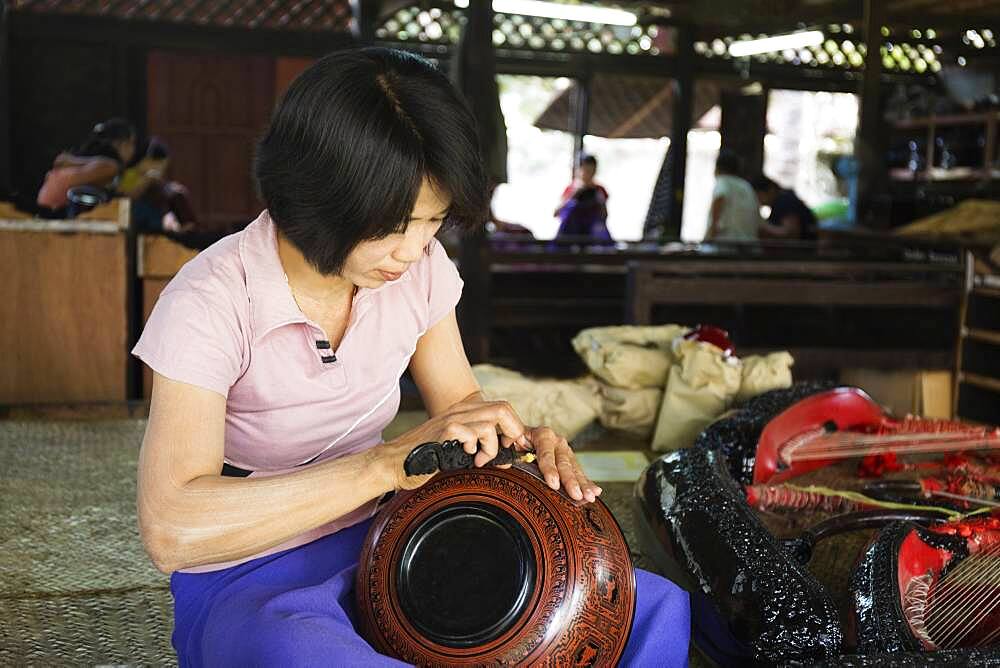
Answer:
[(558, 464)]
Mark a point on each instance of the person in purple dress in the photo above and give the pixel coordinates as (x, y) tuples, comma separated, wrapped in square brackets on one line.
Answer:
[(583, 207), (277, 354)]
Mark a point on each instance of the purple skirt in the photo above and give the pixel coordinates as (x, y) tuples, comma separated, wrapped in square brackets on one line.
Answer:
[(296, 608)]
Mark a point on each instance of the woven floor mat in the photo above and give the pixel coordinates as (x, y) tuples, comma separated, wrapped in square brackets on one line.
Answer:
[(126, 627), (75, 585)]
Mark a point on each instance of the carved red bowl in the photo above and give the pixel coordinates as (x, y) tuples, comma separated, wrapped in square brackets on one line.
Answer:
[(489, 566)]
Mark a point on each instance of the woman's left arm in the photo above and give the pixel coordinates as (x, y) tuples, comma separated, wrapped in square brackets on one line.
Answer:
[(440, 368), (442, 373)]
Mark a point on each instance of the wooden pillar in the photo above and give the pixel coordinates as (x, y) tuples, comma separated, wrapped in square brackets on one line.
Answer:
[(870, 141), (5, 164), (364, 16), (129, 100), (476, 61), (682, 119), (743, 126), (582, 123)]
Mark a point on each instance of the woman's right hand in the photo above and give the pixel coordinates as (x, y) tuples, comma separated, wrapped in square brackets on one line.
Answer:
[(483, 427)]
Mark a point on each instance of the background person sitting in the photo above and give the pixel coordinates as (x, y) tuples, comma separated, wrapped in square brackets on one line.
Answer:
[(158, 205), (98, 162), (583, 209), (790, 217), (735, 213)]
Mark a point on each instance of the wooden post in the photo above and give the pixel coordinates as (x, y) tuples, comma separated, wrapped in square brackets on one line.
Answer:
[(869, 145), (743, 126), (474, 310), (682, 118), (5, 180), (582, 116), (364, 16)]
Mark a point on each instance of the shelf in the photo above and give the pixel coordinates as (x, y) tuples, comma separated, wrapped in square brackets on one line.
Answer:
[(938, 175), (948, 119), (982, 335), (984, 382), (992, 293)]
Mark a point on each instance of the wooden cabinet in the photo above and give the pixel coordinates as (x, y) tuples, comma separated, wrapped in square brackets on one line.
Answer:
[(958, 147), (64, 308)]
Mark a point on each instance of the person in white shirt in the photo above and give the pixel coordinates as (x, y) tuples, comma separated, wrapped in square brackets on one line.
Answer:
[(735, 212)]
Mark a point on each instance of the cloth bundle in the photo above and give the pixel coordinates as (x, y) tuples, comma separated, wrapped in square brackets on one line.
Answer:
[(566, 406), (641, 377), (704, 383), (648, 375), (629, 357)]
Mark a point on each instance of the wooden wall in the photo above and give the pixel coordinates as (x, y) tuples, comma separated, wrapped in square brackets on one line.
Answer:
[(58, 91), (285, 71), (208, 90), (210, 109)]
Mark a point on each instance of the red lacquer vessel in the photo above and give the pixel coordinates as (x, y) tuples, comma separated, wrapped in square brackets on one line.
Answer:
[(491, 566)]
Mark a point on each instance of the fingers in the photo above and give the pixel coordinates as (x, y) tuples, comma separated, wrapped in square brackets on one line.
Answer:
[(478, 438), (591, 490), (500, 413), (558, 465), (457, 431), (576, 483), (475, 424), (567, 475), (545, 450), (489, 444)]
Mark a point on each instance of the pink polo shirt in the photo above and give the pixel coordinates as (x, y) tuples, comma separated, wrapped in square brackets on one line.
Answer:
[(227, 322)]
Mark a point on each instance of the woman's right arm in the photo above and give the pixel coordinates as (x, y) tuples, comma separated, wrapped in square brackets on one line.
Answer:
[(94, 172), (189, 514)]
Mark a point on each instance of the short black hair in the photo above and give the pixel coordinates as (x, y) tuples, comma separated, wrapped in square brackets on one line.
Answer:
[(729, 162), (350, 144), (762, 184), (587, 159), (100, 141), (157, 149)]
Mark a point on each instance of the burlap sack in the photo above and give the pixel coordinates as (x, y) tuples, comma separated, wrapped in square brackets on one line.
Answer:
[(627, 356), (567, 406), (765, 372), (701, 385), (633, 411)]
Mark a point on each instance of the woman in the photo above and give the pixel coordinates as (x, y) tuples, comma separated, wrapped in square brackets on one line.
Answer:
[(277, 355), (97, 162), (583, 207), (158, 204), (735, 212)]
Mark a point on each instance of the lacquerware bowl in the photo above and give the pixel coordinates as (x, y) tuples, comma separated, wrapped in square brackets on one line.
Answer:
[(491, 566)]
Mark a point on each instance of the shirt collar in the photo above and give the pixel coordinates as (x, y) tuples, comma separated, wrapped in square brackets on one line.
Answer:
[(271, 302)]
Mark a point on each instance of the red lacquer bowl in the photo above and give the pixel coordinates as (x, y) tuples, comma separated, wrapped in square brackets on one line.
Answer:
[(489, 566)]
